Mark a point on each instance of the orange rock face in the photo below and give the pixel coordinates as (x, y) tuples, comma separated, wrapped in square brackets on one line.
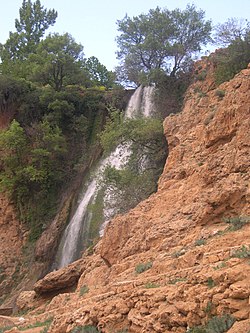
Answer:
[(11, 241), (173, 262)]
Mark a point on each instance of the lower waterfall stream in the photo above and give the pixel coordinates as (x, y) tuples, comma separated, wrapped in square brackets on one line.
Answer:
[(70, 247)]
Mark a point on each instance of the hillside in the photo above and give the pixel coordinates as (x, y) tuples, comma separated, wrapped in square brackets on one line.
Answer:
[(181, 257)]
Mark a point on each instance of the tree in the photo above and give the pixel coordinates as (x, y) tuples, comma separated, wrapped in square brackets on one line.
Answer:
[(232, 30), (161, 39), (30, 28), (58, 61), (98, 73)]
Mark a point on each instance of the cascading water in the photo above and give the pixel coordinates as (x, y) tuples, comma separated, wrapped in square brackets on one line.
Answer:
[(70, 246)]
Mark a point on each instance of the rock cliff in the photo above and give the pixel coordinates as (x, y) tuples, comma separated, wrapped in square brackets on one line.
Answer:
[(180, 257)]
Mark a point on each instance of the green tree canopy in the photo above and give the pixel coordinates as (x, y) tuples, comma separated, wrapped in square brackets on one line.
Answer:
[(30, 28), (58, 61), (98, 73), (161, 39), (232, 30)]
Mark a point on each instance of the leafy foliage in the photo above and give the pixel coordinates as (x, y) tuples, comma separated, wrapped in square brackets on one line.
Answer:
[(243, 252), (140, 268), (148, 152), (215, 325), (58, 61), (233, 59), (31, 171), (98, 73), (85, 329), (233, 29), (237, 222), (83, 290), (156, 40), (12, 92), (30, 28)]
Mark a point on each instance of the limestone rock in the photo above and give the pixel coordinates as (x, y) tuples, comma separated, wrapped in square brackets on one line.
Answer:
[(26, 300), (62, 279)]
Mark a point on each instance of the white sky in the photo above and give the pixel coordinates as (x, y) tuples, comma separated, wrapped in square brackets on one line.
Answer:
[(92, 23)]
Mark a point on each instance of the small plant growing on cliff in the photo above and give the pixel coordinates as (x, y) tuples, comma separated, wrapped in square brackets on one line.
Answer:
[(210, 282), (83, 290), (85, 329), (220, 265), (236, 222), (208, 309), (140, 268), (150, 285), (176, 280), (220, 324), (215, 325), (242, 253), (220, 93), (45, 323), (200, 242), (6, 328), (197, 329)]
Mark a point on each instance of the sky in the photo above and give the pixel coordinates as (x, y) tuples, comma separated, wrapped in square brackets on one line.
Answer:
[(92, 23)]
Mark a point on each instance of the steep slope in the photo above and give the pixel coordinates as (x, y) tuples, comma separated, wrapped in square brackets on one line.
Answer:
[(172, 262)]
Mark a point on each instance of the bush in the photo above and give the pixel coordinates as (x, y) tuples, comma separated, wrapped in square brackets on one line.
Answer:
[(215, 325), (242, 253), (140, 268), (220, 93), (232, 60), (84, 290), (85, 329), (236, 222), (200, 242), (150, 285), (210, 282)]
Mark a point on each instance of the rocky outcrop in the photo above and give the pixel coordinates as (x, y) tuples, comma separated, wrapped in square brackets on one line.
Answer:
[(12, 237), (174, 261), (60, 280)]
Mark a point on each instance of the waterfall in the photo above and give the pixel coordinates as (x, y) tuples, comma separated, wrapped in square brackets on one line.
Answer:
[(70, 246), (140, 103)]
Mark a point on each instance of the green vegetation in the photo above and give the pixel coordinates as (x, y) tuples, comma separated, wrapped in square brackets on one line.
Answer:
[(96, 210), (242, 253), (144, 165), (232, 60), (150, 285), (220, 265), (200, 242), (6, 328), (57, 100), (210, 283), (236, 222), (201, 76), (83, 290), (45, 323), (220, 93), (215, 325), (85, 329), (161, 39), (209, 308), (176, 280), (140, 268)]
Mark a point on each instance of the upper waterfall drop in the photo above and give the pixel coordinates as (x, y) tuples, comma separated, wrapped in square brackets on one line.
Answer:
[(71, 244), (141, 103)]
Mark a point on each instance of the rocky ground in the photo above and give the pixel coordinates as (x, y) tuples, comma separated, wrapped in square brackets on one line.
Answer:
[(180, 257)]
